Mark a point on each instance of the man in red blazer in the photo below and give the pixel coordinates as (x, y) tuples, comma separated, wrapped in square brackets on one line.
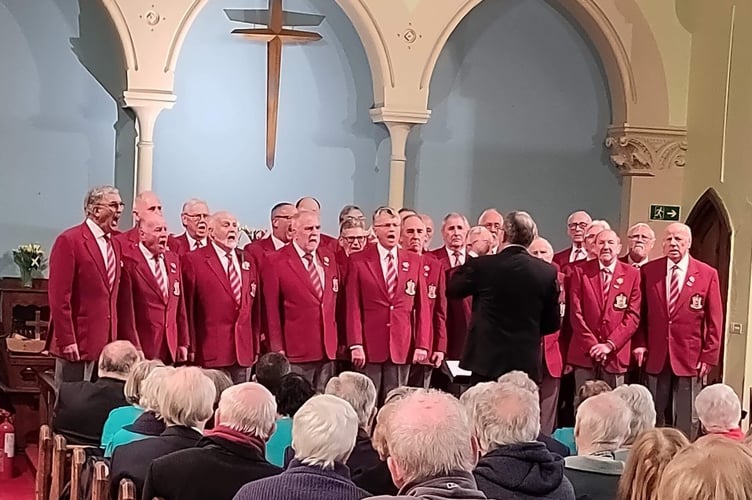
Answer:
[(577, 223), (311, 204), (413, 238), (452, 255), (681, 330), (147, 202), (194, 216), (641, 240), (386, 314), (85, 266), (300, 284), (352, 239), (151, 311), (553, 348), (605, 313), (220, 287)]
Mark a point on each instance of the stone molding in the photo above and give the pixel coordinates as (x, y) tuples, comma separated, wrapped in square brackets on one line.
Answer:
[(642, 151)]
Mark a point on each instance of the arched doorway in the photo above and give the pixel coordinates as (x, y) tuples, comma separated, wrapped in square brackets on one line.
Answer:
[(711, 243)]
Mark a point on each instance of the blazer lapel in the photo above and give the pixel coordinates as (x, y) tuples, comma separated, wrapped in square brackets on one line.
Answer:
[(93, 247), (296, 264), (374, 264), (213, 262), (690, 278), (143, 268), (617, 281), (593, 275), (660, 286), (329, 273)]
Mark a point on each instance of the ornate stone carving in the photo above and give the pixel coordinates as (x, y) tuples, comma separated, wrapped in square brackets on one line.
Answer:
[(410, 36), (643, 150), (152, 18)]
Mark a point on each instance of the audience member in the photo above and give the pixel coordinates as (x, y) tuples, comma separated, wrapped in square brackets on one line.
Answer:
[(650, 454), (601, 426), (294, 390), (720, 411), (227, 457), (221, 381), (323, 436), (641, 405), (185, 408), (513, 463), (470, 400), (270, 369), (82, 408), (565, 435)]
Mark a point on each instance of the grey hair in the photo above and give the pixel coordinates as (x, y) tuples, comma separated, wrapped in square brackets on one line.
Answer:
[(351, 224), (117, 360), (190, 399), (152, 387), (429, 436), (478, 230), (135, 380), (605, 419), (519, 379), (359, 391), (604, 225), (507, 414), (384, 210), (640, 402), (453, 215), (249, 408), (95, 196), (324, 430), (642, 224), (718, 408), (190, 204), (471, 398), (346, 210), (519, 229)]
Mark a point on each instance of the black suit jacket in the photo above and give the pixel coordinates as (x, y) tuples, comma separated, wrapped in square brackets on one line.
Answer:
[(216, 468), (82, 408), (515, 302), (132, 460)]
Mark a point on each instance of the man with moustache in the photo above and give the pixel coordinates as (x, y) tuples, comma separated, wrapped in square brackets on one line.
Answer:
[(194, 216), (412, 238), (429, 230), (553, 348), (85, 265), (605, 313), (480, 242), (147, 202), (151, 311), (681, 330), (577, 223), (311, 204), (641, 240), (301, 284), (386, 313), (220, 288), (493, 220), (351, 212), (352, 239)]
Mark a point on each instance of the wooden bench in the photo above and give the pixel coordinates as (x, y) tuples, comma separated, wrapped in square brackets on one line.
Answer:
[(127, 490), (100, 488), (44, 464), (59, 456)]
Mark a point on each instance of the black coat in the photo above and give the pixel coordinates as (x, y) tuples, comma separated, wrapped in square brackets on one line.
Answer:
[(82, 408), (216, 468), (133, 459), (515, 302)]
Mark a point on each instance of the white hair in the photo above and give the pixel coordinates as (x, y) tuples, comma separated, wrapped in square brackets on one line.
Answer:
[(718, 408), (429, 436), (134, 383), (604, 420), (190, 204), (471, 398), (358, 390), (604, 225), (640, 402), (152, 386), (507, 414), (117, 359), (190, 399), (248, 408), (95, 196), (640, 225), (519, 379), (324, 430)]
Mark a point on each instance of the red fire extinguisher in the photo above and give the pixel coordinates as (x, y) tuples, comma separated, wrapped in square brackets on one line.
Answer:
[(7, 445)]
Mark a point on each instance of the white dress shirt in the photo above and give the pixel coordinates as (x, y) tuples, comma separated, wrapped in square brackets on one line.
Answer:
[(315, 262), (573, 253), (99, 238), (192, 243), (683, 263), (450, 253), (222, 254), (153, 263), (277, 242), (611, 270), (383, 252)]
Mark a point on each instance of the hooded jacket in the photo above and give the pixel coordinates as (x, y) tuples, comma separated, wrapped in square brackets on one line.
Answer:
[(455, 486), (523, 471)]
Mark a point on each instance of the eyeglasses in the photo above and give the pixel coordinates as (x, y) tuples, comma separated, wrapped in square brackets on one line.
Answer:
[(286, 217), (577, 225), (640, 237), (388, 224), (353, 239), (114, 205), (197, 216)]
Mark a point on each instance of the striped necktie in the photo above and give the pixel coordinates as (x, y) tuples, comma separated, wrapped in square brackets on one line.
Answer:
[(606, 278), (111, 263), (234, 277), (314, 274), (391, 275), (160, 275), (673, 294)]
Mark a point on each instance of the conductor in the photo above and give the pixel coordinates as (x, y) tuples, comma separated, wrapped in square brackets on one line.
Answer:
[(515, 302)]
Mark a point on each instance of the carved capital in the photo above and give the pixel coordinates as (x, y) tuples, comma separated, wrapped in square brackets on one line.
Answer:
[(645, 150)]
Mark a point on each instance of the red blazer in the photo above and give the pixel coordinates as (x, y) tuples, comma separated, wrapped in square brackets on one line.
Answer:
[(146, 318), (384, 327), (434, 276), (595, 321), (126, 238), (256, 253), (221, 333), (83, 309), (554, 346), (330, 243), (300, 323), (693, 333), (343, 265), (459, 312), (561, 258), (179, 244)]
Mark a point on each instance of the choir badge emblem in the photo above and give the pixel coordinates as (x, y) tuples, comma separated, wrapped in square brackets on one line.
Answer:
[(326, 263), (620, 301), (173, 267), (246, 266), (176, 288), (405, 266), (695, 302), (410, 287), (431, 291), (335, 285), (253, 289)]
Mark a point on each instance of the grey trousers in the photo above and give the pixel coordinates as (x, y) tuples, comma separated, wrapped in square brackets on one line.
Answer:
[(317, 373), (386, 376), (420, 376), (549, 402), (73, 371), (582, 375), (238, 374), (680, 392)]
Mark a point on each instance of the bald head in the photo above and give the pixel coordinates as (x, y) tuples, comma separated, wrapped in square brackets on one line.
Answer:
[(146, 202), (542, 249), (608, 246), (677, 239), (308, 203), (117, 360), (223, 229)]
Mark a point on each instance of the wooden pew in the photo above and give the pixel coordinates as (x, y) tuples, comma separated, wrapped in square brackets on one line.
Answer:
[(44, 464), (77, 467), (59, 453), (100, 488), (127, 490)]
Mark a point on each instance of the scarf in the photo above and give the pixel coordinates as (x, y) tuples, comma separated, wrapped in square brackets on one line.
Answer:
[(237, 437)]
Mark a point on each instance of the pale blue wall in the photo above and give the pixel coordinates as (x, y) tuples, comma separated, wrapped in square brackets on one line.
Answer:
[(519, 113), (211, 144)]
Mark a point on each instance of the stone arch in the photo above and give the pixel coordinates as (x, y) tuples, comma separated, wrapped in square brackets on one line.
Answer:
[(126, 38)]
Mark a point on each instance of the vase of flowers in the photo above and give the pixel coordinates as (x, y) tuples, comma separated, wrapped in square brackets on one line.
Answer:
[(29, 258)]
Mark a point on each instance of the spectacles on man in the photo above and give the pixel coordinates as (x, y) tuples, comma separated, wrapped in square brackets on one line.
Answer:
[(352, 239), (114, 205), (577, 225), (197, 216)]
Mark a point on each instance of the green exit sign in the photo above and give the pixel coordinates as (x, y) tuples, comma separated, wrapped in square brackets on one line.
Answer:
[(664, 212)]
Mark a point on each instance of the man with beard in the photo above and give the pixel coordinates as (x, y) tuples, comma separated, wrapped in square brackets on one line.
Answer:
[(194, 216), (151, 311), (412, 239), (301, 284), (83, 287), (147, 202), (641, 240), (492, 220), (311, 204), (605, 313), (577, 223), (220, 288)]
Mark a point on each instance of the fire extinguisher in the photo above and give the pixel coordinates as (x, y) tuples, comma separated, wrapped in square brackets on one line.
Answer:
[(7, 445)]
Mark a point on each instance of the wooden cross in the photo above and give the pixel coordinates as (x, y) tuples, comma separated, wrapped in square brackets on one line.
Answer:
[(37, 324), (275, 34)]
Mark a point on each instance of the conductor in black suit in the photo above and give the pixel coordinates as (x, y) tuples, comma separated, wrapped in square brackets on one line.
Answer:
[(515, 302)]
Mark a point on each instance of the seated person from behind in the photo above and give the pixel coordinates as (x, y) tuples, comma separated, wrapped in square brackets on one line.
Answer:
[(642, 408), (270, 370), (83, 407), (590, 388), (294, 390), (720, 411)]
